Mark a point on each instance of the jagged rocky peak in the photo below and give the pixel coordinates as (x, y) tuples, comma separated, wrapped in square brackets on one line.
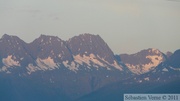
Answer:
[(12, 45), (50, 52), (168, 69), (168, 54), (50, 46), (155, 51), (92, 51), (86, 44), (44, 53), (10, 39), (6, 36), (13, 53), (47, 39), (173, 60), (143, 61)]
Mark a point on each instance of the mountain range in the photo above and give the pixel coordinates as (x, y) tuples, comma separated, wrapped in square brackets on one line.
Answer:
[(82, 68)]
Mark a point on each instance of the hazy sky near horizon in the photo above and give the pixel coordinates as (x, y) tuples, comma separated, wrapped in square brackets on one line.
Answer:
[(126, 25)]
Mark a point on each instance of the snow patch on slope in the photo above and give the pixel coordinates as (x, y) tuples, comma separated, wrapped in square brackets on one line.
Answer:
[(46, 64), (31, 68), (115, 64), (88, 59), (71, 66), (96, 60), (42, 64), (177, 69), (146, 79), (81, 60), (165, 70), (144, 68), (9, 62), (155, 59)]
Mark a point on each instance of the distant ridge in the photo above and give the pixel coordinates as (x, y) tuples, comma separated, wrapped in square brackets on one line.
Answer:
[(82, 68)]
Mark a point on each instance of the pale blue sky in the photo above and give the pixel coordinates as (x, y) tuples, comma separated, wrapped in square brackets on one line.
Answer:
[(126, 25)]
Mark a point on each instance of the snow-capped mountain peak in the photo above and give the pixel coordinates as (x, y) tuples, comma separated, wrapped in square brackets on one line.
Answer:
[(143, 61), (50, 52), (91, 49)]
